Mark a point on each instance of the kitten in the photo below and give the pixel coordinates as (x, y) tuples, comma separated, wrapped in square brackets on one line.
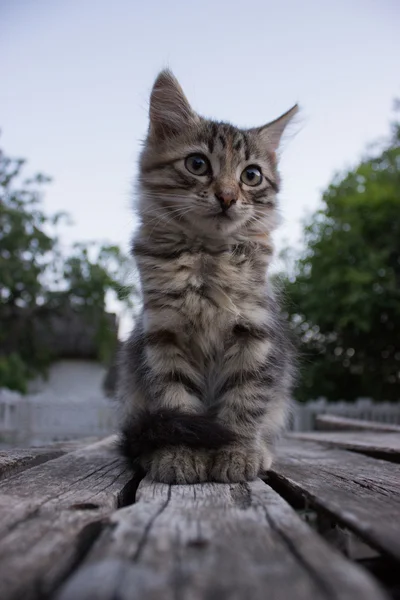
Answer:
[(205, 376)]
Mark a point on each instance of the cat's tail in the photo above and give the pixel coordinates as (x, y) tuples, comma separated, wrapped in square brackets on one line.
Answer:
[(149, 431)]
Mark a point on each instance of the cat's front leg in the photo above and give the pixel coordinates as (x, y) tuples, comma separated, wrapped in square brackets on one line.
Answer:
[(163, 420), (242, 461), (236, 464), (179, 464), (247, 397), (174, 384)]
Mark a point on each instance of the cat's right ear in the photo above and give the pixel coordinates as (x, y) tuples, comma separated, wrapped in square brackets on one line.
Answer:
[(170, 111)]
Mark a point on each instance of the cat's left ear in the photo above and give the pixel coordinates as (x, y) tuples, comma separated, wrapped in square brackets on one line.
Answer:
[(170, 111), (271, 134)]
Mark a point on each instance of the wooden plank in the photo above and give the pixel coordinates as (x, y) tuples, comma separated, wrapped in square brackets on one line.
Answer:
[(360, 492), (18, 459), (334, 423), (213, 542), (50, 514), (381, 445)]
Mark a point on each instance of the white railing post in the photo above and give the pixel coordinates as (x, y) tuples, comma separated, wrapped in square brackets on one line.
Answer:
[(41, 418)]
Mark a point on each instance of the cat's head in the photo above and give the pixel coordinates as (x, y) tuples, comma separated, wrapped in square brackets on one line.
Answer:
[(207, 177)]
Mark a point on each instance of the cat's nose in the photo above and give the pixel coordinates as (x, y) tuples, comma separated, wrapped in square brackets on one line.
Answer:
[(226, 198)]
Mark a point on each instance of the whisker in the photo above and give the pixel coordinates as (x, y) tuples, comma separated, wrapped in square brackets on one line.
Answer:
[(168, 217)]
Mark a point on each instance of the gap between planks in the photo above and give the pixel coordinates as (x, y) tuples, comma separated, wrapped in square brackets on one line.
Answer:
[(51, 514), (360, 492), (213, 542)]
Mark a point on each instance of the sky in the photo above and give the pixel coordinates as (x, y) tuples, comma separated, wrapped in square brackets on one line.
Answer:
[(75, 77)]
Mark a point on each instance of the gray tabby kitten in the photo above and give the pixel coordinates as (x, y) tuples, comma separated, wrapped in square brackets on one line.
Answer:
[(205, 377)]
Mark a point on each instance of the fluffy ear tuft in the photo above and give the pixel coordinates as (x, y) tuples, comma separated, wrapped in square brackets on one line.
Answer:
[(272, 132), (170, 111)]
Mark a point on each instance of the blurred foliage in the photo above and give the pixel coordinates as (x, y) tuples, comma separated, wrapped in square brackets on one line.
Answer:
[(37, 279), (344, 291)]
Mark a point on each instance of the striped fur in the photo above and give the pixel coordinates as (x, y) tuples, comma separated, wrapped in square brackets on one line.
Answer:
[(205, 377)]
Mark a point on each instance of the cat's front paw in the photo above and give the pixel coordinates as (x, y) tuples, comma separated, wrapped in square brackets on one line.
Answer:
[(179, 465), (235, 465)]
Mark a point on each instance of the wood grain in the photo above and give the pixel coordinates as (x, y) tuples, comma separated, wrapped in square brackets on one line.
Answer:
[(18, 459), (213, 542), (381, 445), (50, 514), (360, 492)]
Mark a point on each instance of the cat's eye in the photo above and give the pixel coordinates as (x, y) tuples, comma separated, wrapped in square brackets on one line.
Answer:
[(197, 164), (251, 176)]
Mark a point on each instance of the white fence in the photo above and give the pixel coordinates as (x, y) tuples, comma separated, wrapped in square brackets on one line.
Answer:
[(39, 419), (304, 415)]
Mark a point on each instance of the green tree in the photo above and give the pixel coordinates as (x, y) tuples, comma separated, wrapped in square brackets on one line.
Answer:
[(36, 279), (92, 274), (344, 292), (27, 251), (25, 247)]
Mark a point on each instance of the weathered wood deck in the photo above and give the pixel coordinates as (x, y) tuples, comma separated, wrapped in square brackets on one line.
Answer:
[(75, 525)]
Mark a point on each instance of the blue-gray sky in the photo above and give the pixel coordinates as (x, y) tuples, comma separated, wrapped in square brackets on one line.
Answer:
[(76, 74)]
